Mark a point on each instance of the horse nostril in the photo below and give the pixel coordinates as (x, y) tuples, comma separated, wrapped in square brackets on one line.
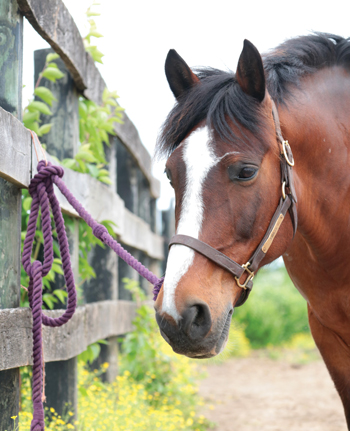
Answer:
[(196, 321)]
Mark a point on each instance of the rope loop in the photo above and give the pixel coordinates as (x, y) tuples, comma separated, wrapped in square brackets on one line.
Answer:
[(44, 175), (42, 191)]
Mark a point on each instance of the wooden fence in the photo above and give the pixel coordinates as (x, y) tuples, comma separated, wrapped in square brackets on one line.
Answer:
[(107, 311)]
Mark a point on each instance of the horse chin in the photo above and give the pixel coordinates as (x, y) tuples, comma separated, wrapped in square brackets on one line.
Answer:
[(208, 348)]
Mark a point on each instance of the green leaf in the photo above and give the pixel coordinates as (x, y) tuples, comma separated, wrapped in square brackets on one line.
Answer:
[(34, 125), (52, 56), (105, 179), (39, 106), (45, 129), (27, 203), (85, 155), (52, 65), (108, 224), (95, 350), (49, 300), (103, 342), (29, 117), (93, 169), (95, 53), (45, 94), (103, 172), (95, 34), (68, 163), (61, 294), (91, 13), (81, 389), (52, 74), (57, 268)]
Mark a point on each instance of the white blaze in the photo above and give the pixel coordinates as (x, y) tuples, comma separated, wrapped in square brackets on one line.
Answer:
[(199, 158)]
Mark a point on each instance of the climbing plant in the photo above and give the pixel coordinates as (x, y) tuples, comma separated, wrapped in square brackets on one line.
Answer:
[(96, 124)]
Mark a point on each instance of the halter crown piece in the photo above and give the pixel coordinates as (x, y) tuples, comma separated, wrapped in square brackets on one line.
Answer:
[(42, 192), (287, 203)]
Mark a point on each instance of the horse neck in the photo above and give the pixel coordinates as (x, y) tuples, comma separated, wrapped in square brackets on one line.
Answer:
[(316, 123)]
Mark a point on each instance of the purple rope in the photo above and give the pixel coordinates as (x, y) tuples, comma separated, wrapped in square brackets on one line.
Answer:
[(42, 192)]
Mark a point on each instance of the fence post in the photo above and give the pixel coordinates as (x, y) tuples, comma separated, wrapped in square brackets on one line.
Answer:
[(62, 142), (11, 57), (128, 190), (105, 286)]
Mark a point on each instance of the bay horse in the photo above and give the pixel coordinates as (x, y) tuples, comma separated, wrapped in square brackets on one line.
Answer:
[(260, 164)]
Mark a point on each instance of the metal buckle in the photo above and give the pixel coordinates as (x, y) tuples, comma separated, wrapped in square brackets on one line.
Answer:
[(284, 190), (284, 145), (250, 276)]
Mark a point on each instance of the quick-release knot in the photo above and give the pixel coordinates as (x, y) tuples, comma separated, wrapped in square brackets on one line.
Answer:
[(45, 171), (99, 230)]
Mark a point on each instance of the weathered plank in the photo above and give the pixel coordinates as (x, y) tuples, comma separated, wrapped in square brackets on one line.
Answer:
[(89, 324), (129, 136), (138, 234), (15, 150), (54, 23), (11, 53)]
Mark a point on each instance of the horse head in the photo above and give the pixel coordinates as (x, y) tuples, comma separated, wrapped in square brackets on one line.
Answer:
[(224, 165)]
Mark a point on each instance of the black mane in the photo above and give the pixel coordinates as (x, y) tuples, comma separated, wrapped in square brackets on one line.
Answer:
[(304, 55), (219, 99)]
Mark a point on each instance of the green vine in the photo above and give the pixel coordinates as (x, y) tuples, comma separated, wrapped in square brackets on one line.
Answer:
[(89, 47), (96, 124)]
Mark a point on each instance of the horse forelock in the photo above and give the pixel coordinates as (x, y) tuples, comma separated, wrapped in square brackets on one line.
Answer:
[(218, 101)]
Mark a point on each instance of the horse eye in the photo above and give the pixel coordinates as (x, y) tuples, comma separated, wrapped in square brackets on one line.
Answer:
[(247, 173), (242, 172), (168, 174)]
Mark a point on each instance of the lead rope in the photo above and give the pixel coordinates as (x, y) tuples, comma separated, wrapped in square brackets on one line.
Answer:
[(42, 192)]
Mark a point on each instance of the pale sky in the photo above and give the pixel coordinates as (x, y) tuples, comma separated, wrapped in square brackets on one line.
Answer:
[(138, 34)]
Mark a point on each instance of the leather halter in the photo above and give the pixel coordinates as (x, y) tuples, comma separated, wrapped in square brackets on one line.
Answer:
[(286, 203)]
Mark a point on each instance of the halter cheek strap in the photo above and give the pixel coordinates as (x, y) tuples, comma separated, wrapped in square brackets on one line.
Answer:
[(286, 203)]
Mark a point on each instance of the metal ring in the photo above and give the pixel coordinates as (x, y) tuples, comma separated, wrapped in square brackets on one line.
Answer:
[(284, 144), (284, 190), (250, 276)]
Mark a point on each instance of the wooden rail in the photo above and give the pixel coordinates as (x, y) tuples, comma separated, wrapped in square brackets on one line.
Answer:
[(90, 323)]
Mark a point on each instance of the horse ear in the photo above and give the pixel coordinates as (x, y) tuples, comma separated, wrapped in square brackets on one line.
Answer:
[(180, 77), (250, 72)]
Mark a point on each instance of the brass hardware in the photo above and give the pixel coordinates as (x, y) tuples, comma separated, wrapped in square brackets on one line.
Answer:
[(250, 276), (273, 233), (284, 145), (284, 190)]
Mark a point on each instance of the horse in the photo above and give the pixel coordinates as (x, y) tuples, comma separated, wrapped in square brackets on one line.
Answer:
[(259, 162)]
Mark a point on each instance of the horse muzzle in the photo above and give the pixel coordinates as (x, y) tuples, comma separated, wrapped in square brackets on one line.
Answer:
[(194, 334)]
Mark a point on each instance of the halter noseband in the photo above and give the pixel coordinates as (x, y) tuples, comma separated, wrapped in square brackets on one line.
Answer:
[(286, 203)]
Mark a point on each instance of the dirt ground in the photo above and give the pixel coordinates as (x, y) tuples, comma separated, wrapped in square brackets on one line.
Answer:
[(263, 394)]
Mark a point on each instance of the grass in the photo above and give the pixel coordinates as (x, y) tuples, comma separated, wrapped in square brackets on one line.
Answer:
[(275, 311)]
